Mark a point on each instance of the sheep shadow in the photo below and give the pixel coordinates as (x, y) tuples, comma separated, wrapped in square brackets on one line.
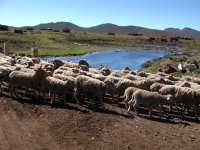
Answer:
[(115, 102), (162, 120), (179, 115), (32, 100), (96, 107), (144, 113)]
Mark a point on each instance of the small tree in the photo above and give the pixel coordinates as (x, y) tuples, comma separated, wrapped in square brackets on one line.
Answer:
[(29, 28)]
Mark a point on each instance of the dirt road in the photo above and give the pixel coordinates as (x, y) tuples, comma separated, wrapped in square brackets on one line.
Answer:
[(32, 124)]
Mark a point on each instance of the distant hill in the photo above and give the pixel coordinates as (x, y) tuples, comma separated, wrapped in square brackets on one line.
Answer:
[(108, 27), (185, 32), (59, 26), (103, 28)]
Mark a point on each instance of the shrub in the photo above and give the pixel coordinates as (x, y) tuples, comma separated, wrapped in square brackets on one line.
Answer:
[(146, 64), (30, 29), (3, 28), (66, 30), (111, 33)]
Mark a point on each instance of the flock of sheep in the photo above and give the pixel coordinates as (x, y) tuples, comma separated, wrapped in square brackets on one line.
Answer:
[(58, 78)]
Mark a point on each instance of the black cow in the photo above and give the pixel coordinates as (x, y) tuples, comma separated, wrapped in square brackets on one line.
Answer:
[(18, 31)]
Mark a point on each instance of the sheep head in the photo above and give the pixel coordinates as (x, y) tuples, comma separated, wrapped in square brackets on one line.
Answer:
[(167, 89), (170, 98), (57, 63), (110, 85), (40, 72)]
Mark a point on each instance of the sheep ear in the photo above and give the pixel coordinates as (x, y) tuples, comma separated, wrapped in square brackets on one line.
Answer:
[(168, 97)]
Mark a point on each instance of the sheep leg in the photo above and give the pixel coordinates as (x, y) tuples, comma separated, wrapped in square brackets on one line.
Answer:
[(49, 93), (170, 107), (64, 98), (26, 91), (15, 91), (126, 102), (43, 92), (196, 111), (161, 110), (76, 96), (112, 95), (1, 87), (101, 101), (34, 92), (184, 108), (188, 109), (150, 111), (52, 99), (135, 106), (118, 97), (130, 103), (11, 90)]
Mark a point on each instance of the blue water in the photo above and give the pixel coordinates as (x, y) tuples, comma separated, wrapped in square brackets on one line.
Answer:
[(116, 59)]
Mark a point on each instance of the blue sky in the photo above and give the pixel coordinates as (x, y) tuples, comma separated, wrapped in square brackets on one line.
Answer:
[(157, 14)]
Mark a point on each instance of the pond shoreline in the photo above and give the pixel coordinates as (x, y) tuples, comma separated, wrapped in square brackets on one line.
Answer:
[(116, 58)]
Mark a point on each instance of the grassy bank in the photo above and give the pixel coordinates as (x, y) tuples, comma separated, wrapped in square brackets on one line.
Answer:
[(76, 43), (153, 65)]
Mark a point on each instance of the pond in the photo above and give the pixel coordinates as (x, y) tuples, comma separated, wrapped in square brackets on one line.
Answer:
[(116, 59)]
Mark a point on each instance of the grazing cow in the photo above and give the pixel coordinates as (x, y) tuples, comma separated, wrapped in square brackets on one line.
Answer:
[(163, 40), (151, 39), (18, 31), (174, 39), (135, 34), (111, 33), (66, 30)]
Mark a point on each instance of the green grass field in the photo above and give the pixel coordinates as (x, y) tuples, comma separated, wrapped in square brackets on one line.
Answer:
[(76, 43)]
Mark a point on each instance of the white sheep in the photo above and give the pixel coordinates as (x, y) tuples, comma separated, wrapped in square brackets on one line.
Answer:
[(191, 79), (89, 85), (71, 65), (26, 79), (57, 87), (65, 72), (95, 76), (4, 74), (128, 95), (150, 99), (94, 70), (156, 87), (183, 95)]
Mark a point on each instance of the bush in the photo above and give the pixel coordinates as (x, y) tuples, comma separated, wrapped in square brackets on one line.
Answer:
[(111, 34), (55, 31), (66, 30), (3, 28), (146, 64), (30, 29)]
